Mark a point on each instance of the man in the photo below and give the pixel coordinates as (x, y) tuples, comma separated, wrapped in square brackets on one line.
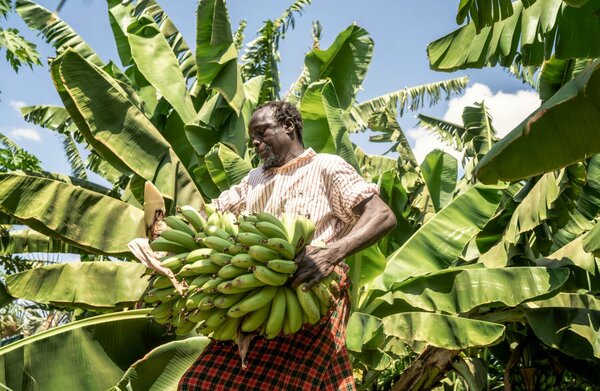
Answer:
[(348, 215)]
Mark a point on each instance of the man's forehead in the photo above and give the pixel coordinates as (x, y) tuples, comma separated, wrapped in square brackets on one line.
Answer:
[(263, 116)]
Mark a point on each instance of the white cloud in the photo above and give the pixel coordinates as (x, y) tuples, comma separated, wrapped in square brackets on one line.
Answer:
[(26, 134), (507, 111), (17, 104)]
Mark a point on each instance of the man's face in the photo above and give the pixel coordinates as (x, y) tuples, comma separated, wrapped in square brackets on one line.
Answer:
[(270, 140)]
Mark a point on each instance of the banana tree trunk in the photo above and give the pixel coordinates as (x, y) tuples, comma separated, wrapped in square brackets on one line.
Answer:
[(427, 370)]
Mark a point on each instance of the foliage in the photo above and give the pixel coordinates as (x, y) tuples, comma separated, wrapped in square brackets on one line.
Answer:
[(13, 158)]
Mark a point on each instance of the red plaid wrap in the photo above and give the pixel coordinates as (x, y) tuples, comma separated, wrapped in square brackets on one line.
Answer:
[(315, 358)]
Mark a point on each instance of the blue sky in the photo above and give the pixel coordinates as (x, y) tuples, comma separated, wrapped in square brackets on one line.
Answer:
[(401, 31)]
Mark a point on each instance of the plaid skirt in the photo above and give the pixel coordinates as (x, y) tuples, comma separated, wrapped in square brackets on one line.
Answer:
[(314, 358)]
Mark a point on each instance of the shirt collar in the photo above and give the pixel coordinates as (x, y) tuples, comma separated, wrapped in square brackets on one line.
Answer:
[(308, 154)]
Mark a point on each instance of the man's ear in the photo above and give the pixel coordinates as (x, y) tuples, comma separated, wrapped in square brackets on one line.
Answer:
[(289, 126)]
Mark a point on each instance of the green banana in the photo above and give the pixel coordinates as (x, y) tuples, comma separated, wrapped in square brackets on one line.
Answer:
[(269, 276), (277, 316), (228, 330), (220, 259), (255, 319), (231, 271), (304, 230), (235, 249), (209, 209), (199, 253), (325, 297), (149, 299), (165, 294), (293, 313), (193, 217), (246, 226), (281, 247), (214, 219), (207, 302), (173, 262), (332, 285), (262, 254), (216, 243), (228, 288), (197, 282), (162, 309), (199, 316), (249, 238), (215, 230), (309, 304), (249, 218), (217, 317), (201, 266), (247, 281), (282, 266), (243, 260), (269, 218), (257, 299), (193, 300), (226, 301), (182, 238), (161, 282), (178, 224), (162, 244), (271, 230), (185, 328), (229, 223), (204, 329), (210, 286), (180, 304)]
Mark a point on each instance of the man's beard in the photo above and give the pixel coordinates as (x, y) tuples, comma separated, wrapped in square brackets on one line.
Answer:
[(272, 160)]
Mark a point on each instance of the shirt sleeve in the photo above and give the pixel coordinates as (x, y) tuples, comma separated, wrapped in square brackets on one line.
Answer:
[(234, 199), (348, 189)]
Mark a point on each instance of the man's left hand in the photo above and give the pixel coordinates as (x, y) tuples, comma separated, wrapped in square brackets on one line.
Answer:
[(314, 264)]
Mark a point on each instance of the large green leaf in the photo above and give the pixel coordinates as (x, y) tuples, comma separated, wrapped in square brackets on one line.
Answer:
[(555, 73), (51, 117), (324, 127), (440, 171), (364, 331), (91, 354), (372, 166), (83, 218), (366, 265), (411, 98), (226, 167), (572, 253), (442, 331), (483, 13), (561, 132), (535, 207), (162, 368), (456, 291), (216, 54), (55, 31), (441, 239), (119, 131), (120, 16), (345, 63), (30, 241), (537, 32), (98, 285), (569, 322), (157, 62)]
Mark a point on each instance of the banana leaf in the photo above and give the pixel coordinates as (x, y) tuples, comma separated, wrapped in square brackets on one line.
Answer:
[(56, 32), (460, 290), (440, 171), (572, 253), (216, 54), (569, 322), (535, 32), (90, 354), (79, 217), (366, 265), (344, 63), (561, 132), (591, 241), (372, 166), (157, 62), (324, 126), (5, 297), (118, 131), (162, 368), (555, 73), (442, 238), (29, 241), (363, 332), (443, 331), (89, 285), (120, 16), (226, 168)]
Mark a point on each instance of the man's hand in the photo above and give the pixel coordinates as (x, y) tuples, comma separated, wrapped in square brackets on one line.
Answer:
[(314, 264)]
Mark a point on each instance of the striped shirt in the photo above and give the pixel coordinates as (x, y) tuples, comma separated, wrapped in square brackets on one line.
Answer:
[(322, 187)]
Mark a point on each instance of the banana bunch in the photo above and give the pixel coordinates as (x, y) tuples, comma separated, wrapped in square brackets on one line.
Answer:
[(237, 271)]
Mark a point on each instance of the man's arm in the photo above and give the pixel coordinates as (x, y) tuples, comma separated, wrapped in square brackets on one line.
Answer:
[(376, 219)]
